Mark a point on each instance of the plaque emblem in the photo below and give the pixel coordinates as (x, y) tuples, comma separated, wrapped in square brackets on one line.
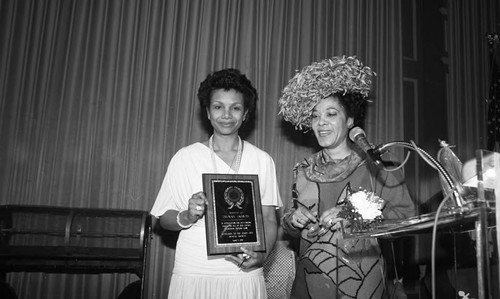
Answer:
[(234, 197)]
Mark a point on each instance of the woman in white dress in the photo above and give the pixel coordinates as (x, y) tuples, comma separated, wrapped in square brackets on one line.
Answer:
[(229, 100)]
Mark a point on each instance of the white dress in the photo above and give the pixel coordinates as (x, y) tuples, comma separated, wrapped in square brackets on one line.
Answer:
[(196, 275)]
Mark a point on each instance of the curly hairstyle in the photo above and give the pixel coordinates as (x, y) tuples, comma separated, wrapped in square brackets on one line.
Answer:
[(228, 79), (355, 106), (344, 77)]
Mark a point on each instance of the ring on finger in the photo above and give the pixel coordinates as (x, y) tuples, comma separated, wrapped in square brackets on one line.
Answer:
[(330, 222), (198, 208), (245, 257)]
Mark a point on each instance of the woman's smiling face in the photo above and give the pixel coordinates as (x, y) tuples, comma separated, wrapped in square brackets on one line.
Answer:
[(330, 123), (226, 111)]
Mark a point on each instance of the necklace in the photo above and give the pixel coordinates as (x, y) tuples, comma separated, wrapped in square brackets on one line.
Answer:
[(236, 160)]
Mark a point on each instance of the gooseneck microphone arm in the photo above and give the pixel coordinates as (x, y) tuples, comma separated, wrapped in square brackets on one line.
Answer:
[(427, 158), (358, 136)]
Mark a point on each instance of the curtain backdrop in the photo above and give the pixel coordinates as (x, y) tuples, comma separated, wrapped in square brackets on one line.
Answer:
[(97, 96), (468, 24)]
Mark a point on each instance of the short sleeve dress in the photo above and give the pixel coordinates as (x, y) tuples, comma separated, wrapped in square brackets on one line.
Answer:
[(196, 275)]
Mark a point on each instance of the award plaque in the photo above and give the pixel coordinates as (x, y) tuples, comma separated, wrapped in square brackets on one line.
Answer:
[(234, 213)]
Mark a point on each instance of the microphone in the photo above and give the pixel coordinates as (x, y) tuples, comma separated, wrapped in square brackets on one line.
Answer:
[(358, 136)]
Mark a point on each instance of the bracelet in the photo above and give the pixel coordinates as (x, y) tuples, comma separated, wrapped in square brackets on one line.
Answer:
[(182, 225)]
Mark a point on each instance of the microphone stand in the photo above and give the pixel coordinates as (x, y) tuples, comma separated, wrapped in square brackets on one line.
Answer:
[(483, 265), (431, 161)]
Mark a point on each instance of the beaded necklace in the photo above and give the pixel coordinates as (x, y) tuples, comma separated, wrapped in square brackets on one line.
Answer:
[(236, 160)]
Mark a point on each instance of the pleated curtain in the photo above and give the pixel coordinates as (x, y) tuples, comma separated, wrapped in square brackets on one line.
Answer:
[(96, 96)]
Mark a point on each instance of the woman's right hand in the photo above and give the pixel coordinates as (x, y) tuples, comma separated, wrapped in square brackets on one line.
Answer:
[(329, 220), (196, 206), (301, 217)]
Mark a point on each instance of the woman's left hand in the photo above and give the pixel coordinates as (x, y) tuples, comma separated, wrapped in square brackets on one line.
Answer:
[(248, 259), (329, 220)]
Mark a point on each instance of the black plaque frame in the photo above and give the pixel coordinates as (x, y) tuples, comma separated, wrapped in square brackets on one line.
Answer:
[(233, 216)]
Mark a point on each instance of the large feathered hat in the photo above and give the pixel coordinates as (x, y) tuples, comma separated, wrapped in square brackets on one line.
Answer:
[(320, 80)]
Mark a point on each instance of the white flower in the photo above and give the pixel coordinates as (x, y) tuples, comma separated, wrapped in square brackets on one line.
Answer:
[(367, 204)]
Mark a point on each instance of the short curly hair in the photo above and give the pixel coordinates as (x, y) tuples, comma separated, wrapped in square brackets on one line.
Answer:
[(344, 77), (228, 79), (355, 106)]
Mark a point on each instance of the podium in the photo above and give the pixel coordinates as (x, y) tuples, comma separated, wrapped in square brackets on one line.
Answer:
[(473, 209), (477, 220), (459, 220)]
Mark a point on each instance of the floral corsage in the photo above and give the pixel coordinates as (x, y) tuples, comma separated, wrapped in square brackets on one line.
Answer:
[(363, 209)]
